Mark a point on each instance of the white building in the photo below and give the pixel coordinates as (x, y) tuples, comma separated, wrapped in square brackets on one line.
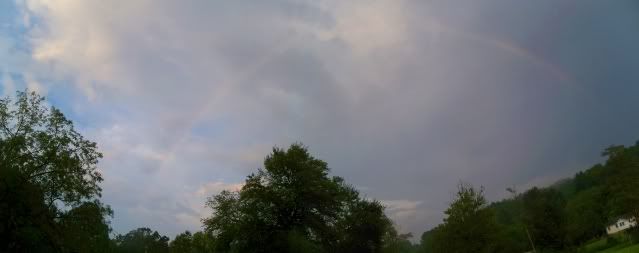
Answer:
[(621, 225)]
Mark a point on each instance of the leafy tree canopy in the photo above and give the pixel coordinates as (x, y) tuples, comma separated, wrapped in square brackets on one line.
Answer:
[(45, 148), (469, 225), (141, 240), (292, 205), (48, 181)]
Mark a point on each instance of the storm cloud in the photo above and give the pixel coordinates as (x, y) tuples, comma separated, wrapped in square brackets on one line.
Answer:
[(402, 98)]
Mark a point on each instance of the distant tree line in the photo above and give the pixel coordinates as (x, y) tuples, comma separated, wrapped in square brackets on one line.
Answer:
[(559, 218), (50, 202)]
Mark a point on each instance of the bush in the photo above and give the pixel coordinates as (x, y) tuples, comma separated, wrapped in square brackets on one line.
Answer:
[(633, 233)]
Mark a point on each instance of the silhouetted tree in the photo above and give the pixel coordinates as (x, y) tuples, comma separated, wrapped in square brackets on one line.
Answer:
[(142, 240), (48, 151), (85, 228), (469, 225), (27, 224), (47, 168), (292, 205)]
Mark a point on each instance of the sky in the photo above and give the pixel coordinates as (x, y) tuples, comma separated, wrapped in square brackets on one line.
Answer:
[(404, 99)]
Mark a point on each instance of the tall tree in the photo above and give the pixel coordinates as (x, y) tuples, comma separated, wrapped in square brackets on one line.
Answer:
[(47, 150), (46, 162), (292, 205), (469, 225)]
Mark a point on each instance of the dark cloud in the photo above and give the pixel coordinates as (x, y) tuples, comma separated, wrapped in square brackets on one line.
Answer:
[(402, 98)]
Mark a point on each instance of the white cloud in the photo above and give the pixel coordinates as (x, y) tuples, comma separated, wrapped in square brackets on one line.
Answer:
[(410, 215), (369, 25), (194, 201), (75, 38), (212, 188), (402, 209)]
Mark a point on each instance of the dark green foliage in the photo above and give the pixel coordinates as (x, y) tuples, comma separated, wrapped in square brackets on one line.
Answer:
[(634, 234), (573, 211), (85, 229), (48, 181), (622, 182), (544, 216), (567, 187), (512, 231), (395, 243), (592, 177), (141, 240), (186, 242), (469, 225), (292, 205), (428, 240), (26, 223), (191, 243), (586, 216), (362, 226), (183, 243), (202, 242), (48, 151)]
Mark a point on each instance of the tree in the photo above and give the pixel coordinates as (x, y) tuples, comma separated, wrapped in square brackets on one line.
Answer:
[(586, 216), (362, 226), (292, 205), (399, 243), (142, 240), (86, 229), (623, 182), (590, 178), (544, 217), (428, 241), (469, 225), (27, 224), (183, 243), (202, 242), (512, 232), (46, 149), (48, 171)]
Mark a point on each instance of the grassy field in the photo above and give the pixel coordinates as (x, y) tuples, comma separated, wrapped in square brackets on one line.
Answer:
[(622, 249), (621, 244)]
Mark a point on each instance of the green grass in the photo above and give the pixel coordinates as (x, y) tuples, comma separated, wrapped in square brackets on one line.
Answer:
[(621, 244), (623, 248), (596, 246)]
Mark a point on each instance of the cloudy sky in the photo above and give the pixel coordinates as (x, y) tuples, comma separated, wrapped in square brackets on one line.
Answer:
[(402, 98)]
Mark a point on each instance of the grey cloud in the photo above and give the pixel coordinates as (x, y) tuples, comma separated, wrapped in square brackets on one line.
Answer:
[(495, 93)]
